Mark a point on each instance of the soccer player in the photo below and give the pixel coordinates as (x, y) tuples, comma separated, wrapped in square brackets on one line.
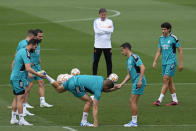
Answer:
[(103, 28), (136, 71), (19, 81), (168, 43), (78, 85), (35, 59)]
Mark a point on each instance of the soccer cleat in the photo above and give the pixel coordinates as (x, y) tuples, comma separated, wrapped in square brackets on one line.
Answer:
[(86, 124), (29, 106), (172, 103), (131, 124), (157, 103), (27, 113), (24, 123), (13, 121), (45, 104)]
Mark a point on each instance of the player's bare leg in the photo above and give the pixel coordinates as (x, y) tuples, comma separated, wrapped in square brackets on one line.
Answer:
[(134, 109), (14, 112), (164, 89), (41, 91), (172, 90), (88, 103), (26, 95)]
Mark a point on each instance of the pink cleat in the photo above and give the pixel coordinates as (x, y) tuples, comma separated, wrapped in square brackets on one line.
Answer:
[(173, 103), (157, 103)]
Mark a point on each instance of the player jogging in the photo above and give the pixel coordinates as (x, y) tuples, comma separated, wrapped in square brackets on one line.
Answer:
[(79, 85), (19, 81), (136, 71), (168, 43)]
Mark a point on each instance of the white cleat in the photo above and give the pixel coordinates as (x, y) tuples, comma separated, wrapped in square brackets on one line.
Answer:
[(86, 124), (45, 104), (24, 123), (27, 113), (13, 121), (131, 124), (29, 106)]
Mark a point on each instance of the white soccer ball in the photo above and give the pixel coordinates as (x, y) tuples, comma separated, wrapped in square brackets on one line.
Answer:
[(63, 77), (113, 77), (75, 71)]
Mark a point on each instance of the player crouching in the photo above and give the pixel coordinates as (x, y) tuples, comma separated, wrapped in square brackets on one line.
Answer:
[(79, 85)]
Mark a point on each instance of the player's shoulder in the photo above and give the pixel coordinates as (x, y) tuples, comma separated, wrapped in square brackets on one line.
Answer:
[(107, 19), (96, 19), (135, 57), (174, 37)]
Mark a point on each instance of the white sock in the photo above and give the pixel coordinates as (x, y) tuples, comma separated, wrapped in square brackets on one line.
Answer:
[(84, 117), (50, 79), (42, 99), (21, 117), (161, 97), (134, 119), (24, 107), (174, 97), (14, 115)]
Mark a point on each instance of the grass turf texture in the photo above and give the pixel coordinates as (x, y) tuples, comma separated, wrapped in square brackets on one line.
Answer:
[(70, 44)]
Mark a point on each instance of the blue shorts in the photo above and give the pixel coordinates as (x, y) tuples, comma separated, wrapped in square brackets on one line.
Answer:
[(35, 68), (19, 86), (169, 69), (138, 91)]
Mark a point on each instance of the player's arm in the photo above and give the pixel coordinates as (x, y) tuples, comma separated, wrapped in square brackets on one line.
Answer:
[(142, 70), (12, 65), (112, 89), (95, 112), (181, 58), (109, 28), (58, 87), (30, 70), (158, 53), (97, 29), (127, 78)]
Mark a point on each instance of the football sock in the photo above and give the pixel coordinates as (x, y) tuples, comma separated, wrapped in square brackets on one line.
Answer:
[(134, 119), (14, 115), (161, 97), (84, 117), (42, 99), (174, 97)]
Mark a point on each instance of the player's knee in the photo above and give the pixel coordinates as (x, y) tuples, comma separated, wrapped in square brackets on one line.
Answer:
[(166, 79), (41, 83)]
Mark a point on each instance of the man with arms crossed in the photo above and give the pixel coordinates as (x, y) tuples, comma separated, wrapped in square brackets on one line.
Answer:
[(79, 85), (136, 71), (103, 28), (168, 43), (19, 81)]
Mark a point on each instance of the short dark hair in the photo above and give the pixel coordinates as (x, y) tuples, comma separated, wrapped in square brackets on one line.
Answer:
[(126, 45), (31, 32), (102, 10), (166, 25), (109, 83), (32, 41), (38, 31)]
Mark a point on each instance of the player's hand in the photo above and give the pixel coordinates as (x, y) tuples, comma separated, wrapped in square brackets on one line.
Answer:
[(118, 86), (154, 64), (139, 84), (181, 68), (110, 26)]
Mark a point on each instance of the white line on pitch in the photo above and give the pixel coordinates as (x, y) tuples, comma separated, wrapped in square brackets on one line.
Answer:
[(189, 48), (69, 128), (116, 13)]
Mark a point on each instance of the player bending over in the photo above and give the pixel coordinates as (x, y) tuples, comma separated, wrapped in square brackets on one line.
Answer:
[(167, 47), (79, 85), (136, 72)]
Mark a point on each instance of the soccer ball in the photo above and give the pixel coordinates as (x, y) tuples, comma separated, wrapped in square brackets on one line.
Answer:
[(113, 77), (63, 77), (75, 71)]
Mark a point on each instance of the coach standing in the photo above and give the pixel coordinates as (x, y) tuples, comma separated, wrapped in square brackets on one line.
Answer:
[(103, 28)]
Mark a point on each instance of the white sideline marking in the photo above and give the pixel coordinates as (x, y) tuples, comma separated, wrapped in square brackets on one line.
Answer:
[(69, 128), (48, 49), (150, 84), (116, 13), (189, 48)]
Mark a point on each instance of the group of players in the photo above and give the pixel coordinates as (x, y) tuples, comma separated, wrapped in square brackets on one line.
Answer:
[(26, 68)]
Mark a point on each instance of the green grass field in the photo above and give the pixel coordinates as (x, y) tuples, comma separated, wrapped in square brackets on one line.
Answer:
[(68, 43)]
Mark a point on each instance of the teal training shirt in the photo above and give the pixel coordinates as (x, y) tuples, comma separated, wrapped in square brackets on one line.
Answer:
[(19, 72), (168, 47)]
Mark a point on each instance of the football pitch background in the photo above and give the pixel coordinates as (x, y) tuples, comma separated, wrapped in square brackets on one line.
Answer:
[(68, 43)]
